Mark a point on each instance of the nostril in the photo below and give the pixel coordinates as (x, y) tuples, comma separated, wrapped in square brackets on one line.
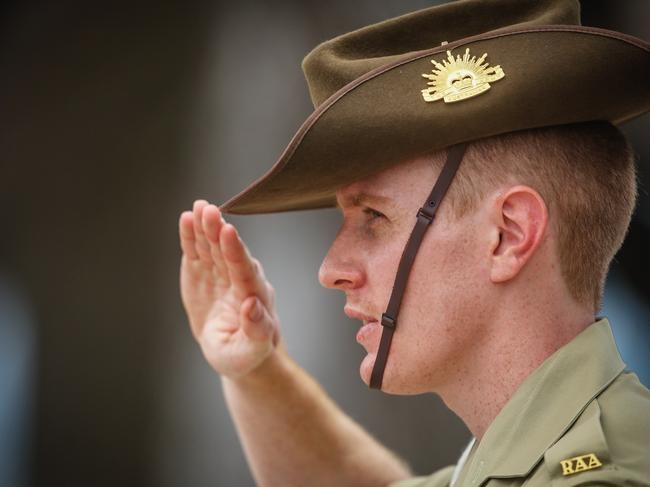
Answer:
[(342, 282)]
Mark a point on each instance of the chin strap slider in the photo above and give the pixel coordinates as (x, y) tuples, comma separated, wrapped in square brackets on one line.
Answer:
[(428, 215), (387, 321)]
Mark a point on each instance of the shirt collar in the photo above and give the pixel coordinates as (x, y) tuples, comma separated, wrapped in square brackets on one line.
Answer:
[(546, 405)]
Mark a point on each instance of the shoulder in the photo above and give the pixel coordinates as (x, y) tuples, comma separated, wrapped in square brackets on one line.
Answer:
[(441, 478), (608, 443)]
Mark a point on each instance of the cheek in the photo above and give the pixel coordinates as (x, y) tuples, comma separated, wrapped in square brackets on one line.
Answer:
[(448, 272), (438, 279), (383, 255)]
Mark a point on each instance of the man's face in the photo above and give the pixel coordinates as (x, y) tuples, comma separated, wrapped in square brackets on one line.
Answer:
[(439, 324)]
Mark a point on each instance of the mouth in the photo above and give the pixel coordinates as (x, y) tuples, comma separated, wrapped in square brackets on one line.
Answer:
[(370, 325)]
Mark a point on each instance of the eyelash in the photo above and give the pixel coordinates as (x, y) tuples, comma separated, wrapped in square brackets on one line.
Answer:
[(373, 213)]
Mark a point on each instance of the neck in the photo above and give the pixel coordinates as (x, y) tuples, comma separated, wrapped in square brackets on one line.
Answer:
[(510, 351)]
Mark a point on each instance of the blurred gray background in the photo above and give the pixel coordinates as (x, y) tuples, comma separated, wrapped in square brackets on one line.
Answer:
[(115, 117)]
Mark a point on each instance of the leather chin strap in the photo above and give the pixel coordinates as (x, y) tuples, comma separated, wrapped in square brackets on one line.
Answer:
[(425, 216)]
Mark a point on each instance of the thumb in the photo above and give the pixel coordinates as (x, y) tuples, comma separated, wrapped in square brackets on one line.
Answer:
[(255, 320)]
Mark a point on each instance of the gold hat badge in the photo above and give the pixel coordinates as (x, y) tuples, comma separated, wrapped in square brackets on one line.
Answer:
[(459, 78)]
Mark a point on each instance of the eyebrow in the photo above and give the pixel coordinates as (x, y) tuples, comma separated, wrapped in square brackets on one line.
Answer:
[(361, 199)]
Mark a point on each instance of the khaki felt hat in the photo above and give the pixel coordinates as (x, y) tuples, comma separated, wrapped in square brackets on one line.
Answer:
[(445, 75)]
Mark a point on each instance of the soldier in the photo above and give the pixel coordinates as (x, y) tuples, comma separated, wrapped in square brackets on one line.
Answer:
[(479, 137)]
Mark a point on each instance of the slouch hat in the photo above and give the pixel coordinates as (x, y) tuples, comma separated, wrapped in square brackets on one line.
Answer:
[(441, 76)]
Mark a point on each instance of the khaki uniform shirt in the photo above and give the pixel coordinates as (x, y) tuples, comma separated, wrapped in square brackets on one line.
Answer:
[(579, 419)]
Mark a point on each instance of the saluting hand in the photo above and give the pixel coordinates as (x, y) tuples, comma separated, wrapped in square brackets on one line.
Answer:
[(229, 302)]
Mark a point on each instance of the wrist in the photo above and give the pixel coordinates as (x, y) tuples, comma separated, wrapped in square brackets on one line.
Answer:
[(274, 366)]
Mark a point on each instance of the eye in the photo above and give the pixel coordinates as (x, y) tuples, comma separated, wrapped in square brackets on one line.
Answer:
[(374, 214)]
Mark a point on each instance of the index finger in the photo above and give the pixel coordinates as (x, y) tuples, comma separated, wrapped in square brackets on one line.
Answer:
[(242, 270)]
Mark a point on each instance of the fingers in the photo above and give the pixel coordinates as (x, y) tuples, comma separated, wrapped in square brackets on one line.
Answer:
[(256, 321), (242, 268), (186, 233), (205, 236), (212, 224), (201, 242)]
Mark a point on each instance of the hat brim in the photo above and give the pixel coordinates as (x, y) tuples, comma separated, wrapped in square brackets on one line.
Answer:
[(553, 75)]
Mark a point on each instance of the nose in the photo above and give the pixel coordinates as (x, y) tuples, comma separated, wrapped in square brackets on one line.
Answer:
[(339, 269)]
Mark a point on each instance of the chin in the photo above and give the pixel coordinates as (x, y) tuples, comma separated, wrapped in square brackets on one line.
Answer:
[(365, 369), (390, 384)]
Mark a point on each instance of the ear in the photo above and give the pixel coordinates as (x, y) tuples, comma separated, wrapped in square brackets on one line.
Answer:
[(520, 218)]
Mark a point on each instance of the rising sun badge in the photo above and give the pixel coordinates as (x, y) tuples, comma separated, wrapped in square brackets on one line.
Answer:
[(459, 78)]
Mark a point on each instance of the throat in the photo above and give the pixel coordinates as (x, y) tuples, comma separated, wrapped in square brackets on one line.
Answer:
[(484, 386)]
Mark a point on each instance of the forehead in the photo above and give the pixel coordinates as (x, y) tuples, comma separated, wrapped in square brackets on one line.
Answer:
[(397, 185)]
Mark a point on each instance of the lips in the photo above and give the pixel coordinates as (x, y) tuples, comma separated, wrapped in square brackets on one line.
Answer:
[(366, 334), (357, 315), (370, 326)]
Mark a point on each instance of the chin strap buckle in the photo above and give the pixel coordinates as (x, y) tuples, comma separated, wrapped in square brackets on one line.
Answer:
[(387, 321), (427, 213)]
